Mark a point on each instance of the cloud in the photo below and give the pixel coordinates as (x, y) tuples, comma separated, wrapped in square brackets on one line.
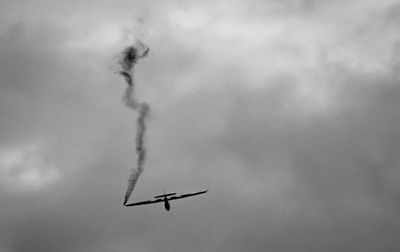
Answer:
[(286, 110), (23, 169)]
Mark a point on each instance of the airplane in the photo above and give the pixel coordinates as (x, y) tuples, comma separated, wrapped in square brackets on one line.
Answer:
[(164, 198)]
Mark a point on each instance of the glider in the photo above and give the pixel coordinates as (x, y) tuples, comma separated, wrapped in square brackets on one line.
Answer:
[(165, 198)]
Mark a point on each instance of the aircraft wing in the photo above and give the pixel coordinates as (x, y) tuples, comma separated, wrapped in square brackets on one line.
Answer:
[(187, 195), (145, 202)]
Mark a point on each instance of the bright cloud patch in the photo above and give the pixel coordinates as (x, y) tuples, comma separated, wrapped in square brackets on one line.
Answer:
[(97, 39), (23, 168)]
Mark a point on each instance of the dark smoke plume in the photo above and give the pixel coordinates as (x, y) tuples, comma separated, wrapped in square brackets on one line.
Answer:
[(128, 60)]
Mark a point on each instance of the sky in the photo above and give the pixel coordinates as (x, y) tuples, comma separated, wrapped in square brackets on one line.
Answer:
[(287, 111)]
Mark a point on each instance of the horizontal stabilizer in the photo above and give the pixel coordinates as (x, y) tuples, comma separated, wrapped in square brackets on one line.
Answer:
[(164, 195)]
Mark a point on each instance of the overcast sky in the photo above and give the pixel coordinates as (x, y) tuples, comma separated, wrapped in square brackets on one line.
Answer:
[(287, 110)]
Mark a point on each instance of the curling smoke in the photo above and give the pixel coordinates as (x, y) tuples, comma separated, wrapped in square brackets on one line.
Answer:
[(128, 60)]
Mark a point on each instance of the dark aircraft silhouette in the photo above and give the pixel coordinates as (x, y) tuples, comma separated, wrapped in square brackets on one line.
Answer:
[(164, 198)]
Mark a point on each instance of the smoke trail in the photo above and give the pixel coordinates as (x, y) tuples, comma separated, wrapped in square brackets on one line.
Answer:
[(129, 58)]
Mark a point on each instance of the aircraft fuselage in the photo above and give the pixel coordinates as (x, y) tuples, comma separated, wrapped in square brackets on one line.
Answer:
[(166, 204)]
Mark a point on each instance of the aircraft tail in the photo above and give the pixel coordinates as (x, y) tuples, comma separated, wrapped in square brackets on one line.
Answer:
[(164, 195)]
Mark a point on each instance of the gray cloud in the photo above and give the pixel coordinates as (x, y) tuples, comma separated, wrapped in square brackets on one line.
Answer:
[(298, 157)]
